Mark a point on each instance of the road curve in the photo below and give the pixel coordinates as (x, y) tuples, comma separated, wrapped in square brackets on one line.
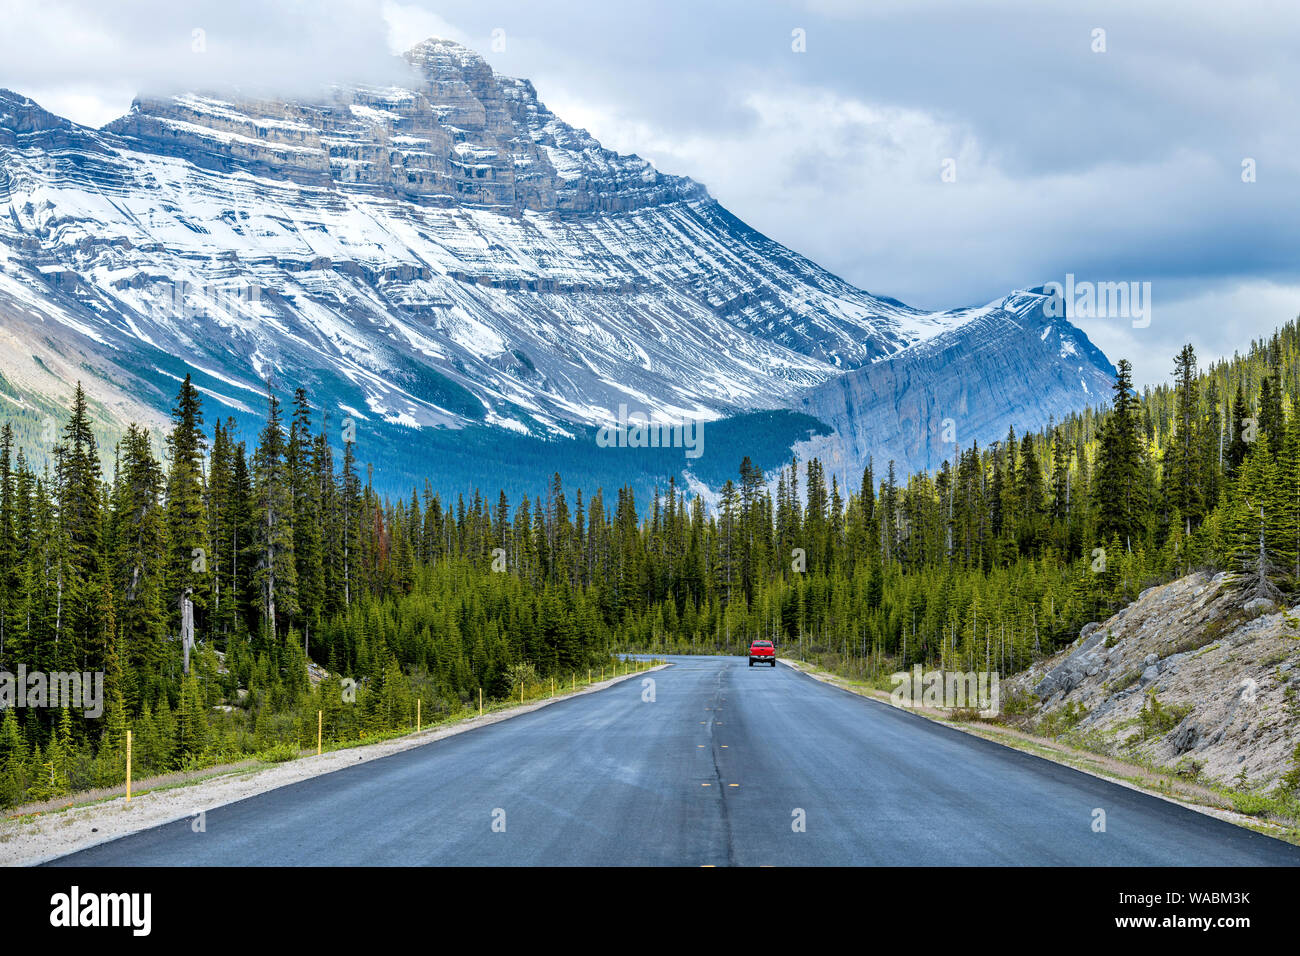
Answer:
[(717, 769)]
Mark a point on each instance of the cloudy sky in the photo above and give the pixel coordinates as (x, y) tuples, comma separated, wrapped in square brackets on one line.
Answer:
[(1078, 138)]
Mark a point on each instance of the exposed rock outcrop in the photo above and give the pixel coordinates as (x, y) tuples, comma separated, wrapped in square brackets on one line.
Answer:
[(1186, 678)]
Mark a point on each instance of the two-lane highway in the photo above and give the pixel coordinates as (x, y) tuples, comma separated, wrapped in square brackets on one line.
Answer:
[(727, 764)]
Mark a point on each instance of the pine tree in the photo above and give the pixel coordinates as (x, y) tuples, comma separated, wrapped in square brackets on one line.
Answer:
[(188, 577), (1120, 493), (275, 571), (10, 577), (1258, 542), (79, 539), (1242, 429), (1184, 469), (139, 568), (307, 505), (1271, 421)]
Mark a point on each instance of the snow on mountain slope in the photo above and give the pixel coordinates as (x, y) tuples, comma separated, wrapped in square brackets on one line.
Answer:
[(1011, 364), (442, 252)]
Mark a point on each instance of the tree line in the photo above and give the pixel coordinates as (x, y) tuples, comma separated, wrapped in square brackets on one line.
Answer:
[(293, 574)]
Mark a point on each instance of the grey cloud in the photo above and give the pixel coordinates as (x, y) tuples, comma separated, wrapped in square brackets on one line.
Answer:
[(1122, 165)]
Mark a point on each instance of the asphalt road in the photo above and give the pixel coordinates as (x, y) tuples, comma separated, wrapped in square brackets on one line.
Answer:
[(713, 771)]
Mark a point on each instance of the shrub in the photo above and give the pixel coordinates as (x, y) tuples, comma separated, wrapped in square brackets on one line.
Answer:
[(1055, 724), (1157, 719), (279, 753), (1125, 682)]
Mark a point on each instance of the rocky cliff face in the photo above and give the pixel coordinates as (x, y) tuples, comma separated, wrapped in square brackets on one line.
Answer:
[(446, 252), (459, 135), (1185, 678), (1008, 363)]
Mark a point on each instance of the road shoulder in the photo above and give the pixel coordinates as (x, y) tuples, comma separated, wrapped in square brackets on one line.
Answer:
[(1142, 779), (27, 840)]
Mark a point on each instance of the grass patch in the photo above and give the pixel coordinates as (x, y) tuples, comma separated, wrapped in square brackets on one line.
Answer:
[(1124, 682), (1195, 642), (1058, 722), (280, 753), (1157, 719)]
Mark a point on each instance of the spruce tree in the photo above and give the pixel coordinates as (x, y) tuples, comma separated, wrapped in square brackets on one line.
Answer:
[(275, 571), (1184, 468), (188, 576), (1121, 496)]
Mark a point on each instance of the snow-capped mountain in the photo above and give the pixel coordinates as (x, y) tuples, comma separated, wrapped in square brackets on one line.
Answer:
[(444, 253), (1011, 364)]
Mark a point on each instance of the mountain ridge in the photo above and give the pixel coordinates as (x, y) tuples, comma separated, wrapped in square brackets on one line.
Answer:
[(443, 256)]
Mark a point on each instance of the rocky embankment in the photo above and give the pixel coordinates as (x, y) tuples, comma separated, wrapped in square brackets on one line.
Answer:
[(1188, 678)]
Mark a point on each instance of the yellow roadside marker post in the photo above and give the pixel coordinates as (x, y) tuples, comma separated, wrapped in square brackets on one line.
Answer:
[(480, 701), (318, 732), (521, 692), (128, 766), (418, 703)]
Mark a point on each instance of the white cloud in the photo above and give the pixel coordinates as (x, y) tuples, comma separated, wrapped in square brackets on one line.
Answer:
[(1120, 166), (1217, 322), (408, 24)]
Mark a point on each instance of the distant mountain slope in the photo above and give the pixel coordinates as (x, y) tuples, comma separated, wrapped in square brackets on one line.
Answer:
[(434, 255), (1011, 364)]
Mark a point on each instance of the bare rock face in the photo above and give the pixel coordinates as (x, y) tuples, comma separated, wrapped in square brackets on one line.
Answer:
[(459, 135), (1079, 665), (1221, 679), (1185, 736), (24, 125), (902, 410)]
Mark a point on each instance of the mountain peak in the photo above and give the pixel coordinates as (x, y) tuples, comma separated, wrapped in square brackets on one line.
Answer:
[(437, 53), (452, 253), (459, 136)]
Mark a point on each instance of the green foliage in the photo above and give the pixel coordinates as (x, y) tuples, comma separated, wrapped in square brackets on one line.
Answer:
[(1252, 804), (1291, 779), (313, 593), (1157, 719), (1062, 720), (278, 753)]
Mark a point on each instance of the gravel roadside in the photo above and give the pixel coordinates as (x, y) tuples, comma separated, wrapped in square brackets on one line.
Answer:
[(28, 841)]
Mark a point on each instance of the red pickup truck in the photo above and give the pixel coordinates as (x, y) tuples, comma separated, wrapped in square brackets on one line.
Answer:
[(763, 652)]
